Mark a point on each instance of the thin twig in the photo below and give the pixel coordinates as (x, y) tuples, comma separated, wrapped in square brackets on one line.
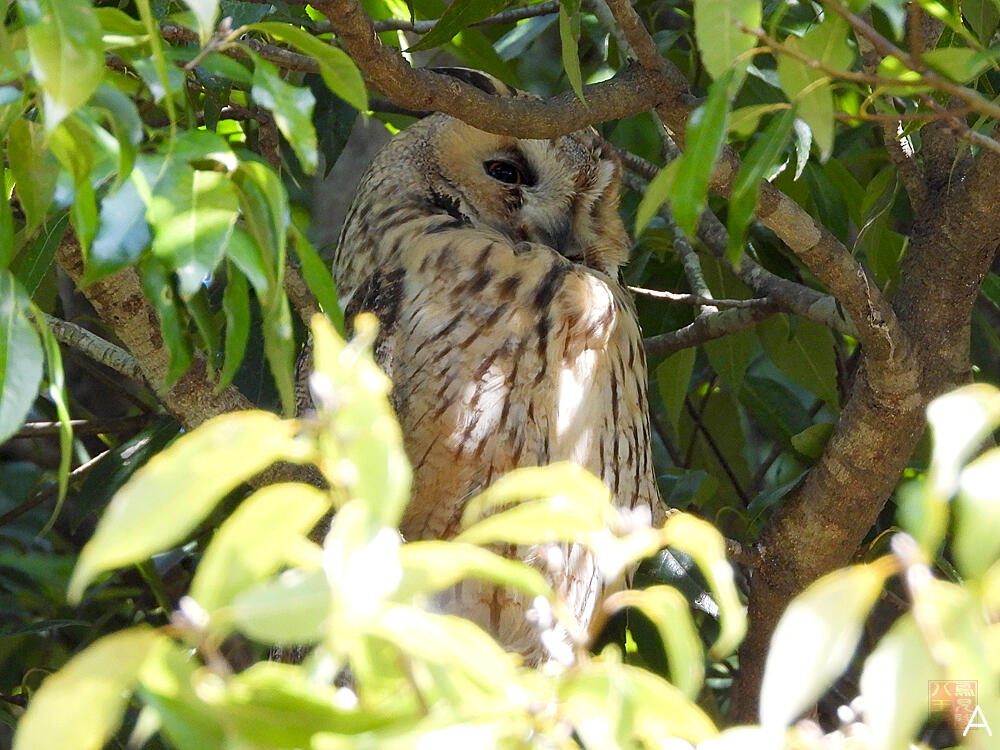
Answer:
[(85, 426), (50, 492), (707, 327), (714, 447), (694, 299), (94, 347)]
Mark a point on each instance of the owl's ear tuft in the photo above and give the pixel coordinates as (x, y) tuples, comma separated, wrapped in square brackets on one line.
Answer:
[(479, 79)]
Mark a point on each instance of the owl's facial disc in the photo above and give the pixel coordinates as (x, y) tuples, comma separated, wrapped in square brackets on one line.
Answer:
[(561, 192)]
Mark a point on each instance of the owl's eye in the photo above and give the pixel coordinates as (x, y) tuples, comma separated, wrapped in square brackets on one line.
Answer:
[(504, 171)]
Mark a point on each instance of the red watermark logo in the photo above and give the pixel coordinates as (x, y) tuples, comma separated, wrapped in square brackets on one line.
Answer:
[(959, 701)]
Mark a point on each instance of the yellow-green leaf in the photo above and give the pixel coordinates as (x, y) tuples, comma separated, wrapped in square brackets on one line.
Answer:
[(704, 544), (336, 67), (254, 541), (816, 638), (81, 705), (67, 56), (668, 610), (717, 30), (169, 496)]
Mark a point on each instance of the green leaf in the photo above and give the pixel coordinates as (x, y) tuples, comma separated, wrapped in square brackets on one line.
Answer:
[(33, 263), (806, 355), (569, 36), (275, 706), (168, 683), (264, 207), (59, 398), (244, 253), (960, 421), (657, 192), (236, 306), (169, 496), (459, 15), (289, 611), (706, 132), (813, 439), (565, 481), (20, 356), (35, 170), (159, 290), (982, 17), (336, 67), (292, 109), (668, 610), (894, 685), (705, 545), (254, 541), (353, 396), (82, 704), (280, 348), (207, 13), (673, 376), (122, 234), (720, 39), (67, 54), (762, 157), (471, 652), (192, 213), (977, 512), (6, 224), (809, 88), (960, 64), (816, 638), (612, 705), (318, 278), (431, 566)]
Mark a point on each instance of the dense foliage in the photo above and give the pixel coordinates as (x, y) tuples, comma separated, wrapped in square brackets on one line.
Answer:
[(160, 162)]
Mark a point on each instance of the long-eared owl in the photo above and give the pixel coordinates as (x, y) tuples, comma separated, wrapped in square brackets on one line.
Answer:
[(492, 264)]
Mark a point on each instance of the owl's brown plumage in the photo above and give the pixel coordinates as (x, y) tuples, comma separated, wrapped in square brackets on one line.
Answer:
[(509, 339)]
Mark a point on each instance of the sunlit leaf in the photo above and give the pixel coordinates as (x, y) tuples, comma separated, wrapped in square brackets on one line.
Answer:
[(459, 15), (364, 447), (319, 279), (960, 421), (656, 193), (894, 685), (82, 704), (67, 57), (253, 542), (977, 515), (960, 64), (667, 608), (813, 439), (289, 611), (122, 235), (569, 36), (704, 544), (168, 682), (206, 12), (431, 566), (20, 356), (276, 706), (717, 30), (809, 88), (336, 67), (706, 131), (816, 638), (292, 108), (34, 170), (763, 155), (170, 495)]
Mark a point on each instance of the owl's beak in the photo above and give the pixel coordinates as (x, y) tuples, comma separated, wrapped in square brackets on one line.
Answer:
[(559, 238)]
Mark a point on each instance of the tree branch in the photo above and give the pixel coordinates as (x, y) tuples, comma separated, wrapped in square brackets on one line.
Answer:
[(707, 327), (94, 347)]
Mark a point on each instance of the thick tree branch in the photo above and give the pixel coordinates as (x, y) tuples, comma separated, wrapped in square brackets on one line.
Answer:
[(631, 91)]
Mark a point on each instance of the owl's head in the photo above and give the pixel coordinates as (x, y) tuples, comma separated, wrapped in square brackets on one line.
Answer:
[(561, 192)]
